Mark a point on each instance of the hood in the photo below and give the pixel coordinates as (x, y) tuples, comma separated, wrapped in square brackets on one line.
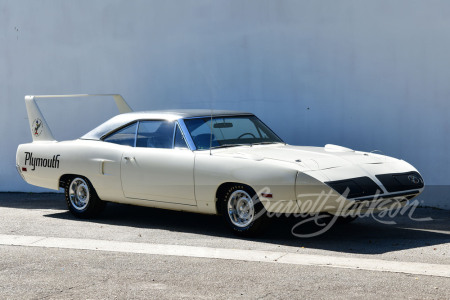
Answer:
[(307, 158)]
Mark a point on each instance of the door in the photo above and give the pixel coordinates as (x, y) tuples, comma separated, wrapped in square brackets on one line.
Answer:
[(158, 168)]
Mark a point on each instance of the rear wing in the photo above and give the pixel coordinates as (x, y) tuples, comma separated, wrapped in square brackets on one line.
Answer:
[(38, 125)]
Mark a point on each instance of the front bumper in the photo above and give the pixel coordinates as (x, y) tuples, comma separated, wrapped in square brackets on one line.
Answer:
[(359, 194)]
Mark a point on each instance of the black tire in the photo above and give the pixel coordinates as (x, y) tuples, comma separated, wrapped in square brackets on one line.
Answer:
[(82, 199), (251, 224)]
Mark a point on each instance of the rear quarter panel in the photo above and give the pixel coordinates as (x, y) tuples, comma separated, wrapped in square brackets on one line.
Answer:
[(46, 162)]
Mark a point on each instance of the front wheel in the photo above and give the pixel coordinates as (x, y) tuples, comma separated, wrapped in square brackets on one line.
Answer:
[(243, 212), (82, 200)]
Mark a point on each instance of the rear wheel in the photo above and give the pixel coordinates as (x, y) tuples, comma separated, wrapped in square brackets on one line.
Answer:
[(243, 212), (81, 198)]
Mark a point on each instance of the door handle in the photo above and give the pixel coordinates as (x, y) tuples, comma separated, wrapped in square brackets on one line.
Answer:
[(128, 158)]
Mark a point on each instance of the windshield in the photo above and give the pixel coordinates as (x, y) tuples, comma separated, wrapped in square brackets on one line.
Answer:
[(229, 131)]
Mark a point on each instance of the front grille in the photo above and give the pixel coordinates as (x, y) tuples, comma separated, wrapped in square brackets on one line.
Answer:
[(401, 181), (355, 187)]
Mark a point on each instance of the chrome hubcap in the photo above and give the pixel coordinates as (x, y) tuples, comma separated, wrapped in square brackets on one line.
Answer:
[(240, 208), (79, 194)]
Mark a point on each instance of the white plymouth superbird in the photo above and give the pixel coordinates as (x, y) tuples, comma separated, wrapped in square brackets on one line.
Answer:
[(212, 162)]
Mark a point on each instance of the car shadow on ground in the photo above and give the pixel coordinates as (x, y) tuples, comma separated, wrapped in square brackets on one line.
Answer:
[(33, 200), (418, 228)]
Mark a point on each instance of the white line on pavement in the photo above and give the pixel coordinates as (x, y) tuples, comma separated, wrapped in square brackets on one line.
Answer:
[(232, 254)]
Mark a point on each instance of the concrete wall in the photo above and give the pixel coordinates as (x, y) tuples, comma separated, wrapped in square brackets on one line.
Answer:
[(362, 74)]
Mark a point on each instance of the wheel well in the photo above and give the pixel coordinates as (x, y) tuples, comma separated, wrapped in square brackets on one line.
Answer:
[(66, 177), (223, 188)]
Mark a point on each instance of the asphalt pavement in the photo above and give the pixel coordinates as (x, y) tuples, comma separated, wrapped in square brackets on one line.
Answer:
[(142, 253)]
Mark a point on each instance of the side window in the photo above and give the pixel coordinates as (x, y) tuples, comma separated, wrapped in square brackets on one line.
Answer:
[(124, 136), (179, 139), (155, 134)]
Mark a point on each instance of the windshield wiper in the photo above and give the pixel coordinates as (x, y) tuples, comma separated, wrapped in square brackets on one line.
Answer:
[(229, 145)]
